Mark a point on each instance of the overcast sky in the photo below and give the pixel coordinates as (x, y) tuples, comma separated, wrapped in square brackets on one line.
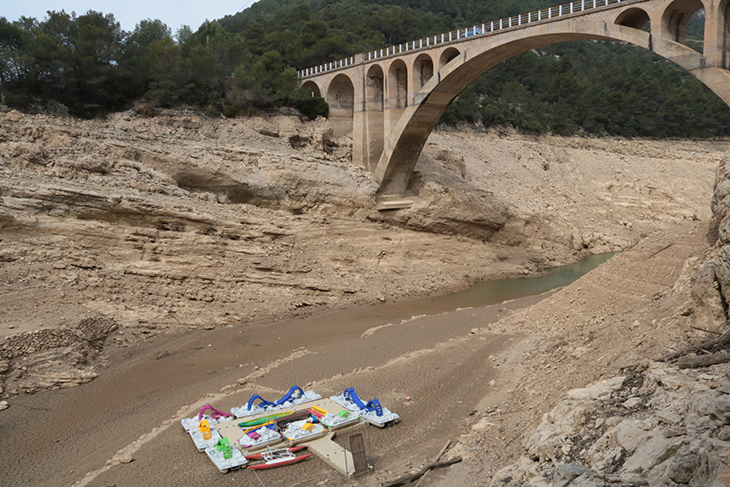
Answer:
[(174, 13)]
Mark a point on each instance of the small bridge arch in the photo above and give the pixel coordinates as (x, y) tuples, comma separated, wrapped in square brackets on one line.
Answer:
[(635, 17), (414, 101), (311, 88), (341, 99), (423, 70)]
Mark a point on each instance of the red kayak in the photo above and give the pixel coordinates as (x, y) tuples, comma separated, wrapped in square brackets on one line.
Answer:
[(279, 461), (260, 456)]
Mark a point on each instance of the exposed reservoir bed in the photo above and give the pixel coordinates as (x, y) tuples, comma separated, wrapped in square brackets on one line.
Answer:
[(138, 394)]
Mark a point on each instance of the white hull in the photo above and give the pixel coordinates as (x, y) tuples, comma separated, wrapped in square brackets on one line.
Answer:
[(369, 416), (193, 423), (296, 434), (335, 422), (225, 464), (266, 437), (202, 444)]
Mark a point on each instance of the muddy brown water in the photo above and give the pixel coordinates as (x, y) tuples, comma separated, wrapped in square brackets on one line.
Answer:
[(55, 437)]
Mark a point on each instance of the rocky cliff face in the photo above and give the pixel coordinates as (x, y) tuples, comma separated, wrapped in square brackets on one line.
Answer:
[(711, 283), (658, 426)]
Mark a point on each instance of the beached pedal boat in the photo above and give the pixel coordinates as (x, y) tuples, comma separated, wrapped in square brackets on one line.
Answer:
[(260, 437), (340, 420), (294, 397), (303, 430), (225, 457), (199, 439), (372, 411), (278, 458), (213, 416)]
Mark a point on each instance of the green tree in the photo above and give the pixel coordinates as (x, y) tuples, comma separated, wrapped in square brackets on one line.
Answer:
[(17, 62), (265, 83), (168, 82), (135, 62)]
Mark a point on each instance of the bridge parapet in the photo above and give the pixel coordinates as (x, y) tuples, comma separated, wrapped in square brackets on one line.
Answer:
[(550, 14)]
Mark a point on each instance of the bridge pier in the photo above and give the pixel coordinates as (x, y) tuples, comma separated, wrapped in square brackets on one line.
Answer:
[(717, 34)]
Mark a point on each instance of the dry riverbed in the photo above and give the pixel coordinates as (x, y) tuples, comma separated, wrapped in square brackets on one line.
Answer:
[(130, 245)]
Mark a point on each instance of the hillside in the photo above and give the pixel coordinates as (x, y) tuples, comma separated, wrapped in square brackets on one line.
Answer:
[(246, 63)]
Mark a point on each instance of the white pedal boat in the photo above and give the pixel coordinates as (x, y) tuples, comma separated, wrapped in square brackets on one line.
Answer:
[(303, 430), (214, 417), (243, 411), (260, 437), (340, 420), (201, 443), (223, 464), (193, 423), (369, 415)]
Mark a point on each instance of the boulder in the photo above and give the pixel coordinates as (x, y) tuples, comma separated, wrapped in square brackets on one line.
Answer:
[(708, 301), (655, 450), (683, 465)]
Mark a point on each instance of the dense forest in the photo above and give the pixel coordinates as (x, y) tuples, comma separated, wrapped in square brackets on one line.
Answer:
[(247, 62)]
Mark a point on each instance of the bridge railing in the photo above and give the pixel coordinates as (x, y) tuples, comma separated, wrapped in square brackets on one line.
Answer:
[(522, 20)]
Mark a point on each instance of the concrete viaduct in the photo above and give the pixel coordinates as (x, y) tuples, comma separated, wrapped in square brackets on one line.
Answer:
[(391, 99)]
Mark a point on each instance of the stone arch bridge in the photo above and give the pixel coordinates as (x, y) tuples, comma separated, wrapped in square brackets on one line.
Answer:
[(391, 99)]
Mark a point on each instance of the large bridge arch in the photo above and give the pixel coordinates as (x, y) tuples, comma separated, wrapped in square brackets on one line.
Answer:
[(408, 136)]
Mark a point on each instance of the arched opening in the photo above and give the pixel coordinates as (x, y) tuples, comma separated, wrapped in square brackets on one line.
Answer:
[(447, 56), (676, 17), (374, 119), (374, 88), (423, 70), (341, 99), (398, 85), (311, 88), (397, 90), (696, 31), (635, 18)]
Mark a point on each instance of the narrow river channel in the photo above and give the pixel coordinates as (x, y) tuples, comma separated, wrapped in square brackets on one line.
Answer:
[(419, 348), (483, 294)]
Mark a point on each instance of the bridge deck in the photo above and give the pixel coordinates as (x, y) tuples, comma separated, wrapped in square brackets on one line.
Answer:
[(488, 28)]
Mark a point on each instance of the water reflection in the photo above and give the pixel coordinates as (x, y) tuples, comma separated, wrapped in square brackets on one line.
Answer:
[(484, 294), (493, 292)]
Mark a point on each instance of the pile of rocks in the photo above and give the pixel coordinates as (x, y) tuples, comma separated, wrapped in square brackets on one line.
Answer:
[(656, 426), (53, 358)]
